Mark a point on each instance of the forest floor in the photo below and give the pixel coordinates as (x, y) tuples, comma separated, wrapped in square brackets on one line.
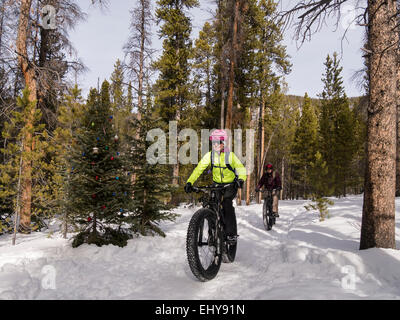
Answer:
[(301, 258)]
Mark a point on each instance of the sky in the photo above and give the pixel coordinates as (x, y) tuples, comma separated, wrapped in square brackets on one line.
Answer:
[(99, 41)]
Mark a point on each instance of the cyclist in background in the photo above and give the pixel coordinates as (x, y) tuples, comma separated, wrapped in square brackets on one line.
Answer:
[(271, 181)]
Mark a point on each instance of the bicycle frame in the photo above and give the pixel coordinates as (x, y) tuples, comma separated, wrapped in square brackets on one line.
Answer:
[(214, 202), (268, 198)]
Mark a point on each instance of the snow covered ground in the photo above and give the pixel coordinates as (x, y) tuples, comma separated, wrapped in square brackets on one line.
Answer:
[(301, 258)]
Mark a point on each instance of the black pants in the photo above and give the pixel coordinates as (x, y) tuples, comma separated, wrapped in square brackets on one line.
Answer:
[(229, 211)]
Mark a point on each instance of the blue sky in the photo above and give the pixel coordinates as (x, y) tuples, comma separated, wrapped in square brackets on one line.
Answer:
[(100, 39)]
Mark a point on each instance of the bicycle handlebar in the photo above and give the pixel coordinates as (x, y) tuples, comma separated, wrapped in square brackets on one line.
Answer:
[(211, 188)]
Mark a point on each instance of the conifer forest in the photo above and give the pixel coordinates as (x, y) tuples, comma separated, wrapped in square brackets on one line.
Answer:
[(109, 160)]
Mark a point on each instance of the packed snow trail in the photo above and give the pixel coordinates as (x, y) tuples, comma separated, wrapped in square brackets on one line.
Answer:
[(300, 258)]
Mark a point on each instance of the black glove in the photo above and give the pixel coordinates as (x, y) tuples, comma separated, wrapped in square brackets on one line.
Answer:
[(279, 189), (257, 190), (188, 187), (239, 183)]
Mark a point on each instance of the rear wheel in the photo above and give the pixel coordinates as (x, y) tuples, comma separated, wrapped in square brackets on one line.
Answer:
[(203, 245)]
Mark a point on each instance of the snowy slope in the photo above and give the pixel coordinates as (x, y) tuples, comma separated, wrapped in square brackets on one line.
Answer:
[(301, 258)]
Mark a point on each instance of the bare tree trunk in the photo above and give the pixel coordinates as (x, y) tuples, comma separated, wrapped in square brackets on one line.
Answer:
[(141, 70), (222, 66), (283, 177), (248, 189), (398, 125), (222, 110), (141, 59), (2, 10), (378, 219), (18, 207), (261, 143), (267, 149), (261, 169), (30, 82), (231, 82), (249, 158), (398, 145), (175, 174)]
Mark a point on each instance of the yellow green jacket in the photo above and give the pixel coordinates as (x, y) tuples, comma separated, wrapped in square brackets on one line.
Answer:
[(223, 174)]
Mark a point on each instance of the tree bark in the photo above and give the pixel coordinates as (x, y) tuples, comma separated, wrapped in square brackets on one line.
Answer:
[(141, 72), (283, 177), (262, 144), (222, 110), (30, 82), (234, 50), (398, 125), (2, 9), (141, 59), (378, 219), (222, 67), (175, 174), (18, 207)]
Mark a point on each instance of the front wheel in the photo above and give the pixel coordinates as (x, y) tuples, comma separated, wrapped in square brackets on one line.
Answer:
[(203, 245), (268, 219)]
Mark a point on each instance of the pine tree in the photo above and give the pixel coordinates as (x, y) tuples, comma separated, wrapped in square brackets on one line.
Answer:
[(305, 146), (173, 94), (337, 125), (204, 79), (25, 123), (269, 63), (70, 121), (118, 100), (100, 182), (151, 187)]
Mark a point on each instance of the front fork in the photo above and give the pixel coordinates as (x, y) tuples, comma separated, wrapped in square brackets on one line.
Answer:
[(220, 231)]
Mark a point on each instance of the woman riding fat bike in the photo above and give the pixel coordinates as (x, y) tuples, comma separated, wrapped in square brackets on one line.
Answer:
[(212, 232), (271, 181), (272, 185), (226, 168)]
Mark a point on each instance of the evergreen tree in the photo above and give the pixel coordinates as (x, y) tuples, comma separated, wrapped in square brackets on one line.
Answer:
[(204, 62), (337, 125), (120, 110), (100, 181), (24, 123), (70, 122), (304, 147), (173, 94), (151, 187)]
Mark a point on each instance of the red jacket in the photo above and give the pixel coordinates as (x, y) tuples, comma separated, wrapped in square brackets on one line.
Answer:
[(269, 182)]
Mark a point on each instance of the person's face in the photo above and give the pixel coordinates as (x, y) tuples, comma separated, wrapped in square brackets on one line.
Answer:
[(269, 170), (217, 146)]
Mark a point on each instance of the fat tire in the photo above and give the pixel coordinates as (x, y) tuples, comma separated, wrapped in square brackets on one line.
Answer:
[(192, 247), (265, 216)]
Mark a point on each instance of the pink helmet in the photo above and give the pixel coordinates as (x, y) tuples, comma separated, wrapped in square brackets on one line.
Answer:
[(219, 135)]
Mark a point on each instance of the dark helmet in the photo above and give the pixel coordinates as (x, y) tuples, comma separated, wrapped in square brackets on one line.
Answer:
[(269, 166)]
